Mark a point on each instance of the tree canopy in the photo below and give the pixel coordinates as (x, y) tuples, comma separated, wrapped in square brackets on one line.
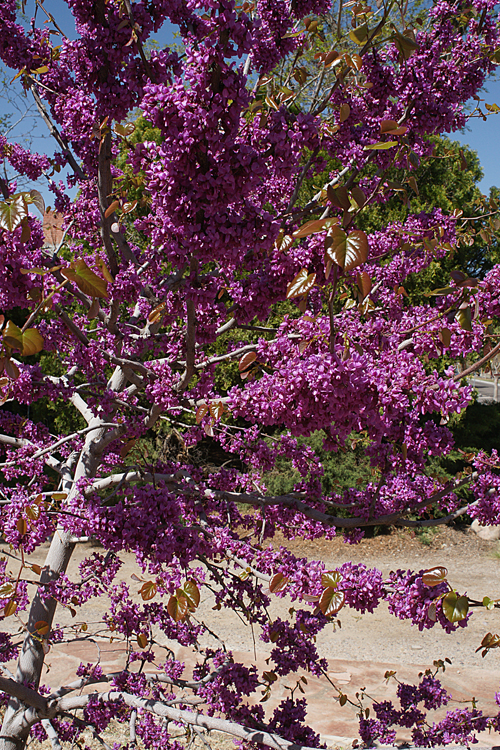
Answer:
[(241, 226)]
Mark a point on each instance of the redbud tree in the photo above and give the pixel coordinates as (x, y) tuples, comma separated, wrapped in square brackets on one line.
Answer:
[(193, 254)]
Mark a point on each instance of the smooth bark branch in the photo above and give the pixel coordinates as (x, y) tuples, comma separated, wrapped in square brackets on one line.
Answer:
[(105, 190), (189, 718), (342, 523), (56, 134), (477, 365)]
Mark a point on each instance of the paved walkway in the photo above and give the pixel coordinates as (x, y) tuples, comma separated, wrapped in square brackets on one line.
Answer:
[(338, 725)]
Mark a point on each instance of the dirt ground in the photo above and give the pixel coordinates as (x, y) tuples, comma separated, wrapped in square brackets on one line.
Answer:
[(371, 639)]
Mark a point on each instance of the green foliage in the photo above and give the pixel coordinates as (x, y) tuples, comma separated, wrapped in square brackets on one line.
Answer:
[(341, 470)]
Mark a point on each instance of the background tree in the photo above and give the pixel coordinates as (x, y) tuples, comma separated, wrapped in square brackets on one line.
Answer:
[(133, 317)]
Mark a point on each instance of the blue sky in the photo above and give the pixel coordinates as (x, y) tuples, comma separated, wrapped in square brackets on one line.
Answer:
[(482, 136)]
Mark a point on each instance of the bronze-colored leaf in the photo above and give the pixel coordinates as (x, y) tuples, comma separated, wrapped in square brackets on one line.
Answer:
[(37, 200), (42, 627), (32, 342), (331, 601), (338, 197), (177, 607), (445, 337), (216, 409), (201, 412), (142, 640), (127, 447), (364, 284), (33, 512), (358, 196), (13, 336), (11, 369), (434, 576), (348, 250), (301, 284), (345, 111), (111, 209), (192, 593), (313, 227), (10, 608), (148, 590), (464, 317), (246, 361), (278, 583)]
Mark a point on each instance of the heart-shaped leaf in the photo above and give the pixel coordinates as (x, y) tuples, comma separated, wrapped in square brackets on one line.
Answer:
[(331, 601), (12, 212), (148, 590), (301, 284), (177, 607), (348, 250), (192, 593), (455, 608)]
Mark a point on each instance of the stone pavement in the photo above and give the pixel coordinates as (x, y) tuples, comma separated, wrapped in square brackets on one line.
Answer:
[(337, 724)]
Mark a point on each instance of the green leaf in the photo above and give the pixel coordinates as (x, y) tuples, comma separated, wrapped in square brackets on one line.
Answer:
[(124, 130), (434, 576), (359, 34), (28, 343), (10, 608), (464, 317), (331, 601), (301, 284), (455, 608), (488, 603), (86, 280), (441, 292), (381, 145), (12, 212), (347, 250), (13, 336), (32, 342)]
